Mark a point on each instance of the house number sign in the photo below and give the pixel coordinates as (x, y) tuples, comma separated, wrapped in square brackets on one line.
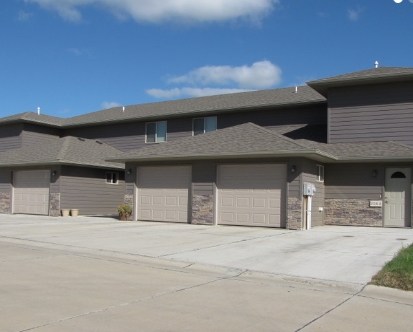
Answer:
[(376, 203)]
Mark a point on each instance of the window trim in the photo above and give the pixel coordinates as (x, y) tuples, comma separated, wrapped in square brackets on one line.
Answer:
[(320, 173), (156, 132), (203, 118), (111, 175)]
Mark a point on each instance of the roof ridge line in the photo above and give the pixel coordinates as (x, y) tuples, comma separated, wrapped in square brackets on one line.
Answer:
[(65, 146)]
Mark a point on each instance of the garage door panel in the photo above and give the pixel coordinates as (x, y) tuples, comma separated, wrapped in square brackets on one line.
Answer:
[(168, 190), (31, 192), (251, 194)]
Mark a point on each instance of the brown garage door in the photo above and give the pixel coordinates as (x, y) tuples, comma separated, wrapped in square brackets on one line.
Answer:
[(31, 192), (251, 195), (163, 193)]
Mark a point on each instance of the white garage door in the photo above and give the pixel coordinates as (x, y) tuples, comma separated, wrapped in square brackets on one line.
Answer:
[(31, 192), (251, 195), (163, 193)]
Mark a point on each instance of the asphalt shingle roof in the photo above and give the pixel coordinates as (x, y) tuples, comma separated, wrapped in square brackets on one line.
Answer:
[(192, 106), (34, 118), (67, 150), (246, 139), (311, 136), (250, 140), (375, 75)]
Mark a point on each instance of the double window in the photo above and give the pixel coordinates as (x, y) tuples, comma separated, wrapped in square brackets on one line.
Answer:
[(156, 132), (320, 173), (204, 125), (112, 177)]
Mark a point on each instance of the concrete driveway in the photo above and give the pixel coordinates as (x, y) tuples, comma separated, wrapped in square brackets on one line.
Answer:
[(329, 254), (99, 274)]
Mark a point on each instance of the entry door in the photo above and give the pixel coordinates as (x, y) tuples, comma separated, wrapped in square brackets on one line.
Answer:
[(397, 197)]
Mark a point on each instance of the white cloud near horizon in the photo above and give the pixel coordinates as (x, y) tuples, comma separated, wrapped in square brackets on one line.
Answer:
[(354, 14), (110, 104), (209, 80), (157, 11)]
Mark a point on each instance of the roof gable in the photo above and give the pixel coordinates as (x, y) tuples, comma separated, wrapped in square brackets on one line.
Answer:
[(246, 139)]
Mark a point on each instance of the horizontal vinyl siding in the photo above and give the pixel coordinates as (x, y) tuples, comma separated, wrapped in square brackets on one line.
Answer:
[(33, 134), (179, 128), (129, 136), (372, 113), (271, 118), (122, 136), (353, 181), (203, 178), (86, 189), (10, 137), (5, 180)]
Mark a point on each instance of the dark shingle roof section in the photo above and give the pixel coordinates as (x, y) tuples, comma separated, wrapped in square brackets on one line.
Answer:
[(367, 150), (244, 140), (67, 150), (202, 105), (250, 140), (375, 75), (191, 107), (33, 118)]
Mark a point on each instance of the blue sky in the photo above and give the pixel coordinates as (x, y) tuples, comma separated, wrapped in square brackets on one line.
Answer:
[(72, 57)]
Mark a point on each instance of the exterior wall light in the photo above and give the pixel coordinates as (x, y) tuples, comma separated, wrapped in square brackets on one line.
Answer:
[(54, 173), (129, 171), (293, 169), (374, 173)]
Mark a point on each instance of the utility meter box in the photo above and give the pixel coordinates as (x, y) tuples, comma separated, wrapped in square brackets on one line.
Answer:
[(309, 189)]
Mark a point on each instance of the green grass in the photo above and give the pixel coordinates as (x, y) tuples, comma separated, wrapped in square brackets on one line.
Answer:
[(398, 273)]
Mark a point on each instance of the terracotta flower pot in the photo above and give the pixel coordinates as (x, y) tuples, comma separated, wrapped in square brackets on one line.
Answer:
[(124, 216)]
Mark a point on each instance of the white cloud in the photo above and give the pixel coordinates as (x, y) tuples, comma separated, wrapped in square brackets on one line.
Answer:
[(190, 92), (208, 80), (24, 16), (75, 51), (354, 14), (260, 75), (157, 11), (110, 104)]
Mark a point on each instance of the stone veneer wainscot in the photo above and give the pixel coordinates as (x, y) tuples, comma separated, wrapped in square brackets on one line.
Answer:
[(352, 212)]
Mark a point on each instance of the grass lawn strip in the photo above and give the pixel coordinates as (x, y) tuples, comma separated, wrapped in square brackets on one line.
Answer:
[(398, 273)]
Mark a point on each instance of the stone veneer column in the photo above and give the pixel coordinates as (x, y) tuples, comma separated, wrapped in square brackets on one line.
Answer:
[(352, 212), (5, 203), (203, 209), (54, 206), (128, 199), (294, 213)]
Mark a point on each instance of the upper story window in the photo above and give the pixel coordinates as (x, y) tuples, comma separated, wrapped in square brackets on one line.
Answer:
[(204, 125), (156, 132), (320, 173), (112, 177)]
